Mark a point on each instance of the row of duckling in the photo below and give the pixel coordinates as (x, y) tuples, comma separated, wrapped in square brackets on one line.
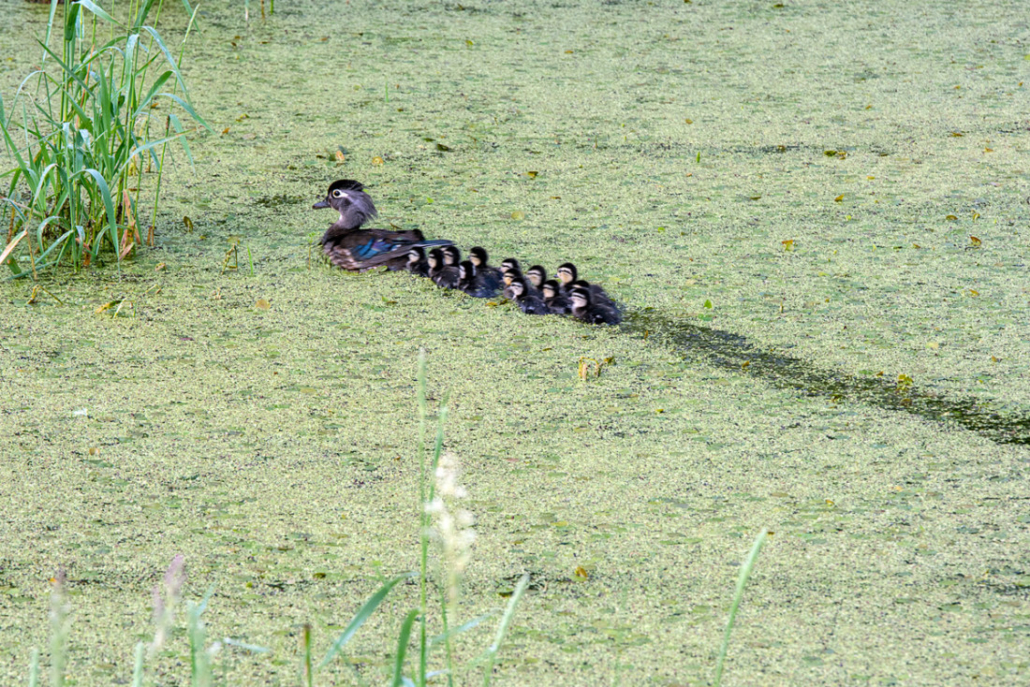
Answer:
[(534, 293)]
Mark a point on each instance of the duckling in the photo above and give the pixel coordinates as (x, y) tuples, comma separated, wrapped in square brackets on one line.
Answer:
[(491, 276), (566, 275), (443, 275), (471, 282), (510, 264), (583, 308), (510, 274), (556, 302), (597, 294), (528, 301), (536, 275), (451, 255), (416, 263), (353, 248)]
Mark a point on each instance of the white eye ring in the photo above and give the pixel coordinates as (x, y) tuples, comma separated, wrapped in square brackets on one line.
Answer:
[(338, 194)]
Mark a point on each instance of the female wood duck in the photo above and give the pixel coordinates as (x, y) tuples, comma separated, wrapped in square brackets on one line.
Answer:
[(356, 249), (585, 309), (556, 302), (528, 301), (443, 275), (471, 282), (490, 275)]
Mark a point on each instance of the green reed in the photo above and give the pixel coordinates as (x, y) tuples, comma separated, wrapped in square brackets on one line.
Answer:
[(78, 133)]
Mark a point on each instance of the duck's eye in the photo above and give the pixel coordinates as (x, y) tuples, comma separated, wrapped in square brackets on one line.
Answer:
[(338, 194)]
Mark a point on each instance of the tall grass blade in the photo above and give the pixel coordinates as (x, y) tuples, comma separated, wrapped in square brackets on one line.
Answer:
[(34, 668), (502, 629), (97, 10), (307, 675), (361, 616), (745, 574), (402, 648), (464, 627), (200, 663), (137, 666)]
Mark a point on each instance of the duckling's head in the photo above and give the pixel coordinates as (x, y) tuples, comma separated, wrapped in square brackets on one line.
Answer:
[(416, 255), (451, 255), (510, 274), (550, 288), (536, 275), (348, 197), (580, 297), (477, 256), (567, 273), (518, 286), (510, 264), (435, 258), (466, 270)]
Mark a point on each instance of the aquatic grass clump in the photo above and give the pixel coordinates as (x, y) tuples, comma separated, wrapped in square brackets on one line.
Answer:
[(83, 135)]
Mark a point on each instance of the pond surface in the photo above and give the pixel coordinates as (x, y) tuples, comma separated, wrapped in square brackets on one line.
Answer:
[(784, 198)]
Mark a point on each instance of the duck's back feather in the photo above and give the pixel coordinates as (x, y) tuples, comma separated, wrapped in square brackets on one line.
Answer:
[(363, 249)]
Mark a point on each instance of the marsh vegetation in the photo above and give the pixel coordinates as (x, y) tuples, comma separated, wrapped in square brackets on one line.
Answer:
[(813, 216)]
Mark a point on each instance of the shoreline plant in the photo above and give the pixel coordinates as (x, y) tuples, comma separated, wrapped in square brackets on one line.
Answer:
[(83, 129)]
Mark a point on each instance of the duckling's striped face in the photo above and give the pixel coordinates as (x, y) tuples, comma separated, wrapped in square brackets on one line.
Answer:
[(509, 264), (518, 286), (566, 273), (510, 274), (435, 258), (414, 256), (451, 255), (550, 289), (477, 256), (580, 298), (536, 275), (466, 270)]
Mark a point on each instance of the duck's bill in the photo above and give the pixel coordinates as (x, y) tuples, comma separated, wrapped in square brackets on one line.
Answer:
[(319, 205)]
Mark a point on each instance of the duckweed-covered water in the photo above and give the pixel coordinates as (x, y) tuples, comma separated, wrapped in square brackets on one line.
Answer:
[(784, 196)]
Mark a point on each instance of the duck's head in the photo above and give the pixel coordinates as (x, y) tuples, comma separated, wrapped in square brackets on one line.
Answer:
[(451, 255), (348, 197), (510, 274), (580, 297), (466, 270), (550, 288), (477, 256), (567, 273), (510, 264), (416, 255), (536, 275), (435, 258), (518, 286)]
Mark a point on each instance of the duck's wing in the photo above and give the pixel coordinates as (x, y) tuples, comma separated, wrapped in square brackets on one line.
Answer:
[(363, 250)]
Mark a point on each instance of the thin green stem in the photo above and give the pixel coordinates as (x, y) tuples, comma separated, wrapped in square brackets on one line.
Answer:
[(745, 573)]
